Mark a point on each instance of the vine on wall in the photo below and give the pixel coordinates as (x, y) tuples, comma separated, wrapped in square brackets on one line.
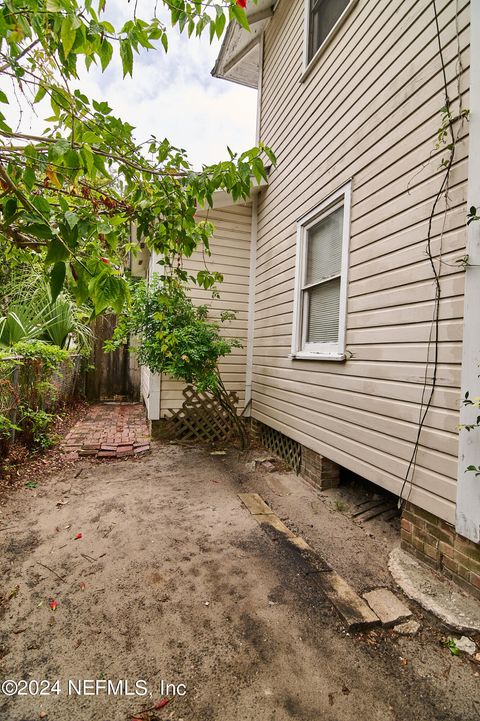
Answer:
[(447, 138)]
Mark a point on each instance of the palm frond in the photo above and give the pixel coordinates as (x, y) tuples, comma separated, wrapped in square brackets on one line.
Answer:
[(31, 314)]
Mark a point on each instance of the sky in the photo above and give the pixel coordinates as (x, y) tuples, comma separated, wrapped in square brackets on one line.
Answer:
[(173, 95)]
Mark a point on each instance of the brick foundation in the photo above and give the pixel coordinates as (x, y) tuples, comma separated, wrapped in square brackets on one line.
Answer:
[(437, 543), (319, 471)]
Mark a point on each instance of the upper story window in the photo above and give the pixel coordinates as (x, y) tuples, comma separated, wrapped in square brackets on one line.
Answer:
[(323, 15), (321, 279)]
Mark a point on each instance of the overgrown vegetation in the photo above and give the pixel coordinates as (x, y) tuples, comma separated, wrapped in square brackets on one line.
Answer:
[(30, 376), (179, 339), (29, 313), (71, 192), (38, 336)]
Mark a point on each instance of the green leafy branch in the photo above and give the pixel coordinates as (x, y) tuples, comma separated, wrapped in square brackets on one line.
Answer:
[(178, 338), (72, 193)]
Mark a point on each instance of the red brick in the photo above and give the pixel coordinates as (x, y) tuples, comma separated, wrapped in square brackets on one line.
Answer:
[(450, 564), (467, 562), (141, 449), (406, 525), (440, 534), (447, 527), (426, 516), (472, 550), (418, 543), (446, 549), (463, 572), (415, 520), (475, 580), (431, 551)]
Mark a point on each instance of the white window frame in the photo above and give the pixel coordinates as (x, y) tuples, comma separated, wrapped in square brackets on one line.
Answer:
[(321, 351), (308, 65)]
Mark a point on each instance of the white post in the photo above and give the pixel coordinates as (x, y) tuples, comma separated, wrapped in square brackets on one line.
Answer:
[(468, 485), (251, 306), (253, 250)]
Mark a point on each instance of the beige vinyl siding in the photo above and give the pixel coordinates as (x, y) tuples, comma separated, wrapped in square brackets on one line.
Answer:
[(230, 248), (150, 392), (369, 111), (144, 383)]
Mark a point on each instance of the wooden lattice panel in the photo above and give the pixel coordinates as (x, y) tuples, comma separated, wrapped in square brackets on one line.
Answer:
[(201, 418), (282, 446)]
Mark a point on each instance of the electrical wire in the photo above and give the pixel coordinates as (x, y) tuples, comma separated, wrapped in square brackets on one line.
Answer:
[(428, 389)]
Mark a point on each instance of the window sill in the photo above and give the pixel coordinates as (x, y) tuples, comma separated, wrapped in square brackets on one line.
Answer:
[(306, 355), (310, 66)]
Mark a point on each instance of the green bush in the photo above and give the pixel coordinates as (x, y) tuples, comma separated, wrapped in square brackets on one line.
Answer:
[(28, 313), (6, 431), (35, 426), (178, 338), (37, 363)]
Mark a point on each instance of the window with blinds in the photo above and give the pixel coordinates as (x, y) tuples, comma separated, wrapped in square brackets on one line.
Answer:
[(322, 262), (323, 268), (323, 16)]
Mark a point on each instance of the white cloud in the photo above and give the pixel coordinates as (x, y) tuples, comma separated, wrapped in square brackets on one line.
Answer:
[(173, 95)]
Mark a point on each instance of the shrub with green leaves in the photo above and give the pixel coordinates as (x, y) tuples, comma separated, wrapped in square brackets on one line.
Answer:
[(30, 313), (177, 338), (70, 191), (36, 364), (35, 426), (7, 427)]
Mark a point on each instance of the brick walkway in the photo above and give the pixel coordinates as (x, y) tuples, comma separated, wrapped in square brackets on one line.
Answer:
[(109, 430)]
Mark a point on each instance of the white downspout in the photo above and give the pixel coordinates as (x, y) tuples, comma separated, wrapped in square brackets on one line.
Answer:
[(251, 308), (468, 484), (253, 254)]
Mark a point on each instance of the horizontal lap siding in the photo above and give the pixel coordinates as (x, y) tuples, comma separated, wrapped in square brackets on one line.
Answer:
[(230, 248), (144, 384), (370, 111), (150, 390)]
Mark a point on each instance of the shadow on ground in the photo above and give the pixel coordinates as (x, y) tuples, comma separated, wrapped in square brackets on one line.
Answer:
[(173, 579)]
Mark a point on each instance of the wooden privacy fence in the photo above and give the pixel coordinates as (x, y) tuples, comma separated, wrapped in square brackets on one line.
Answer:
[(114, 375)]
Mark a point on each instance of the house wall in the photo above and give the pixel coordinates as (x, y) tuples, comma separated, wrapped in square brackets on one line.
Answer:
[(370, 111), (435, 542), (230, 248), (150, 392)]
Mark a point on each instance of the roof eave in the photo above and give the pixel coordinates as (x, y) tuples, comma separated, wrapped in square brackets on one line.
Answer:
[(243, 45)]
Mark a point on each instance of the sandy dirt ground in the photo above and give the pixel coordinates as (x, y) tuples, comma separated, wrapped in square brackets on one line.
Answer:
[(172, 579)]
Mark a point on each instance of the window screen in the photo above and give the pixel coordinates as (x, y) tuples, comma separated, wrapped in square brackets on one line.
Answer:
[(323, 16), (324, 248), (324, 312), (322, 277)]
